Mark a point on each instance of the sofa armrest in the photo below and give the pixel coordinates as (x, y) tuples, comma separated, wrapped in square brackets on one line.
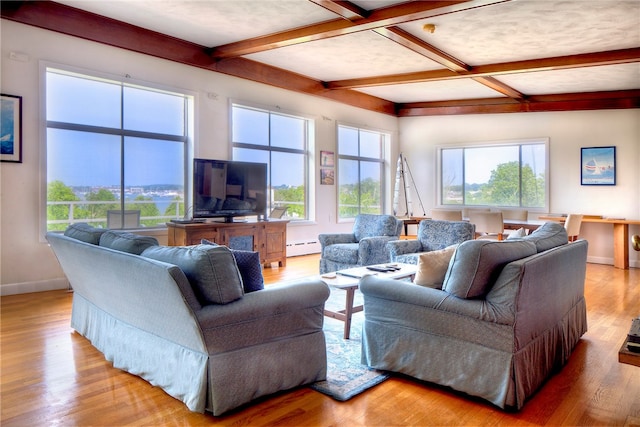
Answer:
[(328, 239), (276, 312), (373, 250), (402, 247)]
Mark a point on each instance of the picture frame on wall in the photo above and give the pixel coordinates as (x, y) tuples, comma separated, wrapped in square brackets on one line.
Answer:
[(598, 166), (11, 128), (327, 176), (327, 158)]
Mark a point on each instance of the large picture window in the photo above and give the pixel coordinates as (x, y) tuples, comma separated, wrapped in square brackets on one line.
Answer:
[(360, 171), (116, 152), (282, 142), (512, 174)]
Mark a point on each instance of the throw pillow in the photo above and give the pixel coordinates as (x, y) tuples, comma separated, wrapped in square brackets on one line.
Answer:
[(548, 235), (249, 266), (432, 267), (84, 232), (127, 242), (211, 270), (520, 232), (476, 264)]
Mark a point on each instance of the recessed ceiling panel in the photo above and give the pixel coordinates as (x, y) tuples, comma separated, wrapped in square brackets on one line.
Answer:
[(210, 23), (433, 91), (360, 54), (532, 29), (591, 79)]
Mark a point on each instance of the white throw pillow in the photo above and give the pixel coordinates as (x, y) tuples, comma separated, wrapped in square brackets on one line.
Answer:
[(432, 267), (520, 232)]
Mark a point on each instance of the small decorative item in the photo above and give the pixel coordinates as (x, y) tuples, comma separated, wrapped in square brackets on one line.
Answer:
[(327, 176), (327, 158), (11, 128), (598, 166)]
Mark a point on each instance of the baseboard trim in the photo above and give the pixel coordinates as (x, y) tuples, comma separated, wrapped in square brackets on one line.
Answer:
[(29, 287)]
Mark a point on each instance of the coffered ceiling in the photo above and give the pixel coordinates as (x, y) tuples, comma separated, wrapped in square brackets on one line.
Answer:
[(400, 58)]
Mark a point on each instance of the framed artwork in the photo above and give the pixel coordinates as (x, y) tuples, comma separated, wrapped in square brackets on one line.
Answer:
[(327, 158), (11, 128), (327, 176), (598, 166)]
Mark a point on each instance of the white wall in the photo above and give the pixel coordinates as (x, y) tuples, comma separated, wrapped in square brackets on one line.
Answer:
[(26, 262), (568, 132)]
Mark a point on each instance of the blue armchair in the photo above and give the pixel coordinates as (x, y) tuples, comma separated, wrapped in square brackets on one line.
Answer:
[(432, 236), (365, 246)]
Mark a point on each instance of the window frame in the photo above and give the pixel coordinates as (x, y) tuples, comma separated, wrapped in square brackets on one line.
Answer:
[(306, 152), (385, 144), (187, 139), (493, 144)]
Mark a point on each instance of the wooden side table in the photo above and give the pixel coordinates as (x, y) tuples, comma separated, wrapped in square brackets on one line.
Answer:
[(628, 357)]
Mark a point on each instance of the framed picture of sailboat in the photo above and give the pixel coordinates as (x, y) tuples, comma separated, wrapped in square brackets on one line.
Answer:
[(598, 166)]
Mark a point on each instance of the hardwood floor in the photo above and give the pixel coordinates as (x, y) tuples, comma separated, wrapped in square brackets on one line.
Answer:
[(53, 376)]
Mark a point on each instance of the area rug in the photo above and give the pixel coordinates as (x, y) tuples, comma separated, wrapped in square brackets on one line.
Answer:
[(346, 376)]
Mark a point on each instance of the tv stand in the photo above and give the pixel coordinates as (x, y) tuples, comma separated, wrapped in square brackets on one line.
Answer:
[(269, 238)]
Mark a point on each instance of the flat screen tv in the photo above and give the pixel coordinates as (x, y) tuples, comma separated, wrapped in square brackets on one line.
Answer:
[(228, 189)]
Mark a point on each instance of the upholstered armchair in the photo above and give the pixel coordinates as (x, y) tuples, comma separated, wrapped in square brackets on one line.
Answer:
[(365, 246), (432, 235)]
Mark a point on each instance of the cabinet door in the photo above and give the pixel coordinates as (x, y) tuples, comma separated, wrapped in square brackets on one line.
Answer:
[(244, 238), (276, 243)]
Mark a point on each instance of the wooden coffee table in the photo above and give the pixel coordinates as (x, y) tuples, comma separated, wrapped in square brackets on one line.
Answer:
[(349, 280)]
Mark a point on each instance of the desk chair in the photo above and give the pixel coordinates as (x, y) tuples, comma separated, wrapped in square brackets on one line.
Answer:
[(514, 214), (446, 214), (489, 225), (115, 219), (572, 225)]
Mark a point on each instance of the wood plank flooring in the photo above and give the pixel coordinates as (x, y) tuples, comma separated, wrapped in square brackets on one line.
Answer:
[(53, 376)]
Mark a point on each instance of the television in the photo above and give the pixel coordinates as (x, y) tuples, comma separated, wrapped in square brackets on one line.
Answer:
[(228, 189)]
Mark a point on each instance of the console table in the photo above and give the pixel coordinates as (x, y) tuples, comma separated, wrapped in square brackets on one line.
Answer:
[(620, 235), (269, 238)]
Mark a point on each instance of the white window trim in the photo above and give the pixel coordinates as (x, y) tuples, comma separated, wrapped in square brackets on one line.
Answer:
[(42, 120)]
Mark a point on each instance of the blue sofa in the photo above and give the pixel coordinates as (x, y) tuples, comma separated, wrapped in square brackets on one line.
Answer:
[(506, 316), (180, 318)]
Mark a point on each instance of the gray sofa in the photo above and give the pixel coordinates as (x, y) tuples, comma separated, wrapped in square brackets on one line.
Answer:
[(191, 330), (506, 316)]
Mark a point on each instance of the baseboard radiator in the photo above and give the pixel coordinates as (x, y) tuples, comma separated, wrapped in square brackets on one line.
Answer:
[(303, 248)]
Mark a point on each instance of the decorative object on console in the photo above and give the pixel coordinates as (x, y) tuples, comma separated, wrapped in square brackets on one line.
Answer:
[(635, 241)]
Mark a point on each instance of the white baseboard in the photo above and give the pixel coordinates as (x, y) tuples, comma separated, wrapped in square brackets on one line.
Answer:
[(29, 287), (609, 261)]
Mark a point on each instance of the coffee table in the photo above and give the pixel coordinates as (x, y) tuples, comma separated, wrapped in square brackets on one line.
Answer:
[(349, 280)]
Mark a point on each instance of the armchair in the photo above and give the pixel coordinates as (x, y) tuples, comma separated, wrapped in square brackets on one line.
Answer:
[(432, 235), (365, 246)]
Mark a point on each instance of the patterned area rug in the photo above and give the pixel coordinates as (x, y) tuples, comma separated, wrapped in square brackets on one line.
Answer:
[(346, 376)]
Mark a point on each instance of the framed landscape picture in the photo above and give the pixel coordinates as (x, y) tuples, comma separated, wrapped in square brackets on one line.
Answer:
[(11, 128), (598, 166)]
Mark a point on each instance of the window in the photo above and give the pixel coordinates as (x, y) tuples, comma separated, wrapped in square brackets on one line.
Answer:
[(116, 152), (282, 142), (503, 174), (360, 171)]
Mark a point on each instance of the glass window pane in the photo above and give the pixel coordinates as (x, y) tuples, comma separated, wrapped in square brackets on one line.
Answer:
[(83, 177), (79, 100), (492, 176), (452, 177), (287, 132), (370, 187), (370, 144), (288, 183), (348, 190), (347, 141), (151, 111), (533, 176), (250, 126)]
